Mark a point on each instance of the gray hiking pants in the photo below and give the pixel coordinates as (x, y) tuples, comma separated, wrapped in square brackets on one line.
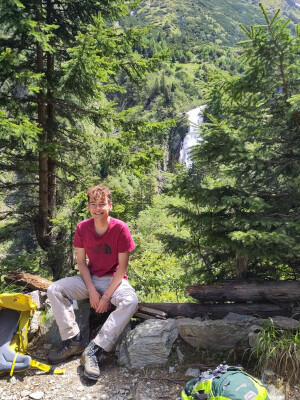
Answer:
[(73, 288)]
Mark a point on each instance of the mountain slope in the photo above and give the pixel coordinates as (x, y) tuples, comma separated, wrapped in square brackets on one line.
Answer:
[(214, 21)]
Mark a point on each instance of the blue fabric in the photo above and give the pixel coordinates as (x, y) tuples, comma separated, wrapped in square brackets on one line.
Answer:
[(8, 326)]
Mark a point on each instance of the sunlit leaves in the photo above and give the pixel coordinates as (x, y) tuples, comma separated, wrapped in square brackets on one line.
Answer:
[(242, 189)]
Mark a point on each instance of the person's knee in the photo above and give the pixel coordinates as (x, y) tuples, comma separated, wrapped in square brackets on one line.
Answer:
[(135, 302), (52, 290), (130, 301)]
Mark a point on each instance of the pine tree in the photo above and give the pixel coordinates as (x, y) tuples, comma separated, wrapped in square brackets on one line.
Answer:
[(242, 191), (58, 60)]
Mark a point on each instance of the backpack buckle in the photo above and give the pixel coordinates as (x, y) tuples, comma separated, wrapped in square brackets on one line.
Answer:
[(201, 396)]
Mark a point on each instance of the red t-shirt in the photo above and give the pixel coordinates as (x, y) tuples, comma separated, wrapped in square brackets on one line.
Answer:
[(102, 250)]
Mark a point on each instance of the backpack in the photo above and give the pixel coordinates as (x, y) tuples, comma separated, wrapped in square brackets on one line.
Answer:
[(16, 312), (225, 383)]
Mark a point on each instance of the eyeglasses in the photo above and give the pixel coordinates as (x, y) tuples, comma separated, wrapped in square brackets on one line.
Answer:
[(100, 205)]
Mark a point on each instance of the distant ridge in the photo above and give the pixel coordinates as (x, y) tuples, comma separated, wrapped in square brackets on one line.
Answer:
[(213, 21)]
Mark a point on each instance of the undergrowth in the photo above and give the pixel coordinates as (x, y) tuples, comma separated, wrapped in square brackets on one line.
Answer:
[(278, 350)]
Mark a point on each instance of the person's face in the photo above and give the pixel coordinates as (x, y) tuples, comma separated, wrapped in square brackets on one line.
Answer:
[(99, 208)]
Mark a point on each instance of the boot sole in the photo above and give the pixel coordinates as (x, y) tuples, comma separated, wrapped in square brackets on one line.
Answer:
[(89, 376)]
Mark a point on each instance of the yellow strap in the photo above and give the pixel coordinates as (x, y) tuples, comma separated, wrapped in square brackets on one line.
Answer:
[(23, 324), (46, 367), (13, 365)]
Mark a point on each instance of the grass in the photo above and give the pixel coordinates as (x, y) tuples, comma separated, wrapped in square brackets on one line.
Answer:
[(278, 350)]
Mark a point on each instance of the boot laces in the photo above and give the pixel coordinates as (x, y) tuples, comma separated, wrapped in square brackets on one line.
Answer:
[(92, 353)]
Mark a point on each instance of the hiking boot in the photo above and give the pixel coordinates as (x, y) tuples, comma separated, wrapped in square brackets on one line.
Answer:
[(89, 360), (68, 348)]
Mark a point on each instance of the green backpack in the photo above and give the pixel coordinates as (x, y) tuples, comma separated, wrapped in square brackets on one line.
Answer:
[(225, 383)]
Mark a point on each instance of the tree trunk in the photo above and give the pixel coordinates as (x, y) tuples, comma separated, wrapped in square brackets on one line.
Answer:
[(269, 291), (29, 281), (41, 222), (47, 163), (241, 265), (219, 311), (51, 123), (51, 127)]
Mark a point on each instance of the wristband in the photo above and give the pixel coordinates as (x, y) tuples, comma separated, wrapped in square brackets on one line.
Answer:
[(107, 297)]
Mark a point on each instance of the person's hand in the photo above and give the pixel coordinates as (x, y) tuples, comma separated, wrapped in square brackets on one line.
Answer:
[(103, 306), (94, 299)]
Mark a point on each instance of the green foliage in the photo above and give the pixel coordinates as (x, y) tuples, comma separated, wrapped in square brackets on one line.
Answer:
[(58, 130), (112, 85), (241, 192), (211, 21), (207, 20), (278, 350), (156, 275), (157, 278), (33, 262)]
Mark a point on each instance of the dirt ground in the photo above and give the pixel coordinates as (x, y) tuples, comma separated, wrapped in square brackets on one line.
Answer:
[(115, 383)]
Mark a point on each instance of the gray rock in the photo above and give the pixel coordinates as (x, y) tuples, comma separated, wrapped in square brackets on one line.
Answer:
[(149, 343), (104, 396), (143, 394), (253, 339), (253, 336), (286, 323), (275, 394), (37, 395), (39, 298), (49, 327), (180, 355), (231, 316), (35, 325), (194, 372), (25, 393), (214, 335)]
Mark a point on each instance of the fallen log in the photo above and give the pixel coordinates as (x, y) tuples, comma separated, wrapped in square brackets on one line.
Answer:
[(151, 312), (29, 281), (265, 292), (188, 310), (143, 316), (219, 311)]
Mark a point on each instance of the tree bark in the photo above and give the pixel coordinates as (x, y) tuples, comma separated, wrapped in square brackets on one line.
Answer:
[(47, 163), (270, 291), (173, 310), (41, 223), (241, 265), (51, 126), (29, 281), (219, 311)]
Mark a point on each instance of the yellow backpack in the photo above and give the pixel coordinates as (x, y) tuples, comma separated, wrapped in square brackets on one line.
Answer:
[(16, 312)]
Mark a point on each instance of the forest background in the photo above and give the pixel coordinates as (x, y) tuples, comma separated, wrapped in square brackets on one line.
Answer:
[(98, 93)]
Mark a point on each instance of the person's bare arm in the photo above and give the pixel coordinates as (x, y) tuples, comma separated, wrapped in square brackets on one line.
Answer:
[(123, 259), (86, 276)]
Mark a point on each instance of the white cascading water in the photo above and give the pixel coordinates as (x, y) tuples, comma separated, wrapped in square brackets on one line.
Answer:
[(192, 138)]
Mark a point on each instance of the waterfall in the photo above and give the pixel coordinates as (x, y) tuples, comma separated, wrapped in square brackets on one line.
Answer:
[(192, 138)]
